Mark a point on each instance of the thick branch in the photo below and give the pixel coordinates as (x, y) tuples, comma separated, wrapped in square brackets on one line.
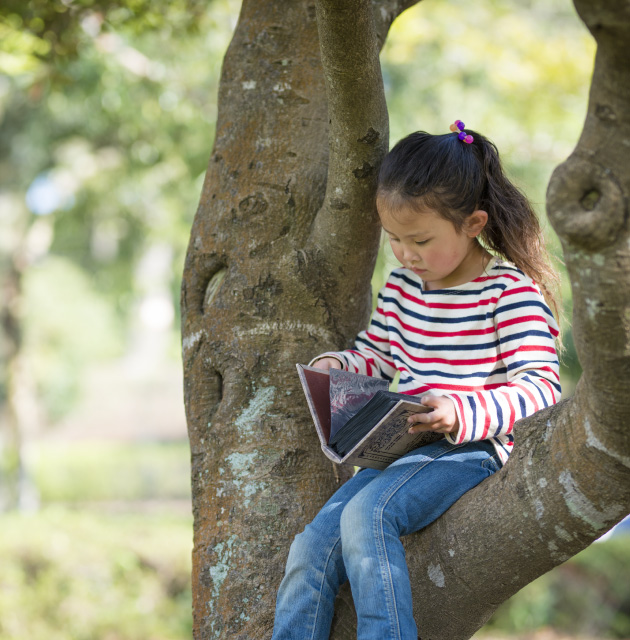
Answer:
[(588, 205), (359, 133), (568, 479)]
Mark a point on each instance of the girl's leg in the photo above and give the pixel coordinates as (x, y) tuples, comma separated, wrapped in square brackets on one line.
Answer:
[(315, 570), (407, 496)]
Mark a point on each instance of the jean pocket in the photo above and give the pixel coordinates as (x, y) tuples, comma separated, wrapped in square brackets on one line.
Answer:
[(492, 463)]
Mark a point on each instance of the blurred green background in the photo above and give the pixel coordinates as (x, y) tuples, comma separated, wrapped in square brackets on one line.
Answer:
[(107, 113)]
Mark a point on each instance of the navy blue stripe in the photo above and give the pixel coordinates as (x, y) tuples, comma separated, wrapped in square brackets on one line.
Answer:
[(483, 376), (521, 401), (451, 292), (540, 393), (524, 363), (380, 325), (522, 305), (526, 334), (505, 267), (443, 319), (473, 406), (555, 385), (499, 412), (507, 451), (378, 351), (372, 346), (441, 347)]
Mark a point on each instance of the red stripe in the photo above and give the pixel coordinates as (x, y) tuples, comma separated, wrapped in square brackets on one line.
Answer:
[(368, 363), (380, 356), (519, 290), (531, 347), (527, 392), (471, 361), (375, 338), (549, 386), (449, 361), (509, 323), (453, 387), (520, 319), (438, 334), (417, 391), (549, 370), (506, 395), (466, 332), (484, 406), (440, 305), (462, 425), (500, 275)]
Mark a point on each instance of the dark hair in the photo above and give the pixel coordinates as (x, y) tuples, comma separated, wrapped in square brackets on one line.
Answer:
[(453, 178)]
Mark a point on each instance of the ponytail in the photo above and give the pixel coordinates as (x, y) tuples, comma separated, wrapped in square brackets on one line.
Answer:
[(513, 230), (454, 179)]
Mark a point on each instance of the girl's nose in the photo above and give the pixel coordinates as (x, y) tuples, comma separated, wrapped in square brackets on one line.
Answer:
[(409, 253)]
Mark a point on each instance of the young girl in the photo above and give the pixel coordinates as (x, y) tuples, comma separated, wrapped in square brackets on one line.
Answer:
[(467, 327)]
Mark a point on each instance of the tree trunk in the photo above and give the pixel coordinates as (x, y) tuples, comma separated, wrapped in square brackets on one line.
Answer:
[(18, 413), (269, 282), (278, 270), (10, 435)]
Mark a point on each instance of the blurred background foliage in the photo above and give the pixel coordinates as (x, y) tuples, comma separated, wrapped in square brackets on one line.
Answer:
[(107, 113)]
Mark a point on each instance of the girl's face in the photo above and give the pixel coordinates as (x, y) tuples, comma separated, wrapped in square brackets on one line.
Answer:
[(432, 247)]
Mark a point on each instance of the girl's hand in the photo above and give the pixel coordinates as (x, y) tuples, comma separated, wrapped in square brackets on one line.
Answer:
[(443, 418), (327, 363)]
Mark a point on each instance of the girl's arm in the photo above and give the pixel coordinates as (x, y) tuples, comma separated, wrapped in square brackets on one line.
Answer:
[(526, 330), (370, 354)]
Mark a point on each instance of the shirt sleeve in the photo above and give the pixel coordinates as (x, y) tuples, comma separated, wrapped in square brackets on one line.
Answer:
[(370, 354), (526, 332)]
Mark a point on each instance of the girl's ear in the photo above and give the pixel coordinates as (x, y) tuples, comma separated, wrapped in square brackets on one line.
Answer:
[(475, 222)]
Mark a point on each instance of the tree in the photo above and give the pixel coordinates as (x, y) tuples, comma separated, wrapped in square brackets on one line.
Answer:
[(98, 158), (277, 270)]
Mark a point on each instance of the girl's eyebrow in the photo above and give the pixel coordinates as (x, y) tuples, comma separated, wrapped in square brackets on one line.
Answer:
[(409, 235)]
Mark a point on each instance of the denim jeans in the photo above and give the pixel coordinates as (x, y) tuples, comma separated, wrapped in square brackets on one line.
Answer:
[(356, 537)]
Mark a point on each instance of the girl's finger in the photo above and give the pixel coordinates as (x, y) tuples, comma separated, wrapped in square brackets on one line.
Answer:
[(431, 401), (423, 418)]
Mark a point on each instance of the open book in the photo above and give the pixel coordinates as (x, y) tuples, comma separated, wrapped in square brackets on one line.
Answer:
[(358, 420)]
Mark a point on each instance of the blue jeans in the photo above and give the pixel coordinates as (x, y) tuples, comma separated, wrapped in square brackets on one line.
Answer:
[(356, 537)]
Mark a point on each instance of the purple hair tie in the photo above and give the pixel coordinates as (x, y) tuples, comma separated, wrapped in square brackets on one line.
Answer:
[(458, 127)]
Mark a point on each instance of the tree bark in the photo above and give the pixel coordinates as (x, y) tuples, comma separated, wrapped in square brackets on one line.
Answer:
[(278, 270), (568, 480)]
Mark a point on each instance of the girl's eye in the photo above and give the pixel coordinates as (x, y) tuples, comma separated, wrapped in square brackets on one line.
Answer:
[(393, 239), (421, 242)]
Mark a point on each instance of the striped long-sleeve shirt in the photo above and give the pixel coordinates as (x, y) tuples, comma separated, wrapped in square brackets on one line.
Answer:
[(488, 345)]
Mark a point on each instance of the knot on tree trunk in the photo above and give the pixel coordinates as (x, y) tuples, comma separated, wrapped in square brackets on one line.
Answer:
[(586, 204)]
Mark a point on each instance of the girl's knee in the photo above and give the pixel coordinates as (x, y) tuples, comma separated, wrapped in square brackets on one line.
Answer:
[(359, 517), (368, 512), (303, 546)]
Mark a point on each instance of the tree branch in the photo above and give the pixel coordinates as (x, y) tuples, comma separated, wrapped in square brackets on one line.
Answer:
[(359, 130), (588, 206), (568, 479)]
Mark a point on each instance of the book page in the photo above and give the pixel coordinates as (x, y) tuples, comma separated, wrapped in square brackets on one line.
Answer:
[(349, 393)]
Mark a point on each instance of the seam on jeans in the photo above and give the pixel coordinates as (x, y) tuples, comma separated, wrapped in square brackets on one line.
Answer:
[(321, 587), (380, 538), (491, 463)]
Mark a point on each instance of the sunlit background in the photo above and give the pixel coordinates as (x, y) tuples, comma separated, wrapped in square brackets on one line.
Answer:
[(107, 114)]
